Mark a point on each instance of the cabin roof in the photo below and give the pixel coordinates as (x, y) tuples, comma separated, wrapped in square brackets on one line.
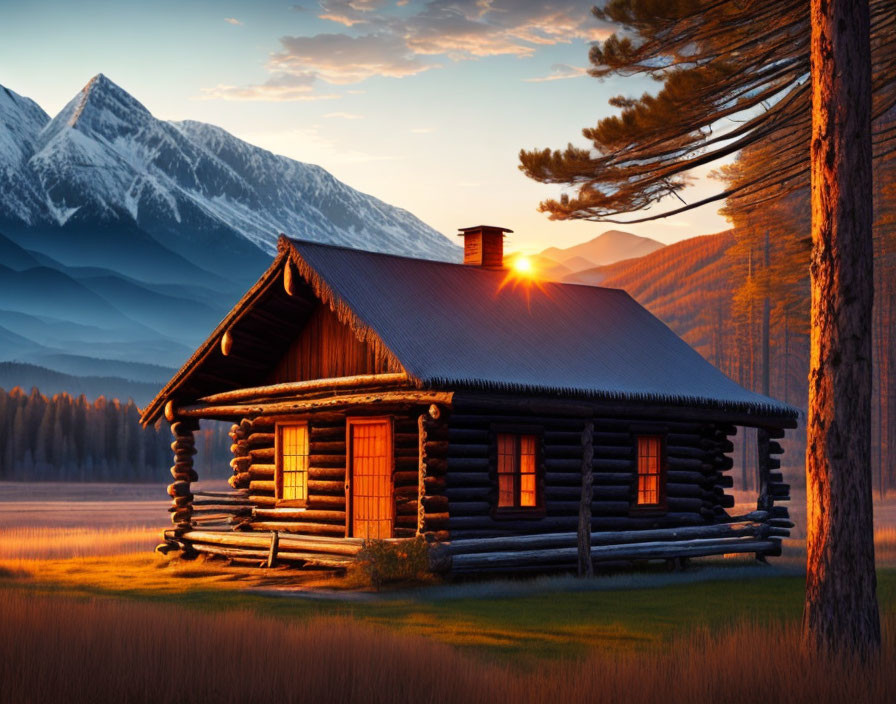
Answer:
[(458, 326)]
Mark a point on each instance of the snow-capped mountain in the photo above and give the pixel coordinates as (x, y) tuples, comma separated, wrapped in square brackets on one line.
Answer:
[(104, 160), (124, 239)]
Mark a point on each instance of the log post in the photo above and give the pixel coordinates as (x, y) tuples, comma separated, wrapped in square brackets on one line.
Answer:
[(586, 566), (421, 471), (184, 447), (765, 501), (275, 544)]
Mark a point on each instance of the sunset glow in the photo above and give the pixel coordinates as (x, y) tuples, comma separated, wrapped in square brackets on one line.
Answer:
[(523, 266)]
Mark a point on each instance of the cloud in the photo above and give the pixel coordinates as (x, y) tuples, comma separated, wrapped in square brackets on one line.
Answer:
[(400, 39), (423, 130), (344, 115), (351, 12), (560, 72), (278, 88), (342, 59), (232, 20)]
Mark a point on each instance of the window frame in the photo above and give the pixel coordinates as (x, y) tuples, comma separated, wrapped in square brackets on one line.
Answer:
[(516, 511), (661, 505), (278, 464)]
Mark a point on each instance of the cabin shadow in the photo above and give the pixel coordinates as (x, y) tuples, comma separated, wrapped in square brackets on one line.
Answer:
[(512, 425)]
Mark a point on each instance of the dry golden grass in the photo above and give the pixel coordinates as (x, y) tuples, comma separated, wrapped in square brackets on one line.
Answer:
[(56, 648), (50, 543)]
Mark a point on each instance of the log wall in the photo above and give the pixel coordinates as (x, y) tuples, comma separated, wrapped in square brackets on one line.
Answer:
[(325, 514), (444, 476), (695, 478)]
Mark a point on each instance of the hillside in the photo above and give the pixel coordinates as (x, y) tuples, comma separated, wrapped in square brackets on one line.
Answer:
[(607, 248), (679, 283)]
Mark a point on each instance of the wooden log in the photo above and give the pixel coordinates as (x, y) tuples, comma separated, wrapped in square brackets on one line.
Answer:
[(325, 487), (465, 464), (468, 479), (470, 508), (272, 554), (185, 475), (334, 503), (262, 485), (406, 478), (436, 504), (373, 400), (240, 480), (179, 488), (298, 514), (468, 493), (625, 537), (235, 495), (640, 551), (241, 464), (491, 403), (260, 440), (262, 453), (181, 447), (327, 433), (226, 343), (465, 449), (602, 464), (327, 460), (328, 448), (300, 387), (296, 527), (464, 435), (308, 559), (327, 473), (262, 471)]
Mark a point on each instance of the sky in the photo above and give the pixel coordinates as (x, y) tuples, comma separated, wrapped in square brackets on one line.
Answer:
[(422, 104)]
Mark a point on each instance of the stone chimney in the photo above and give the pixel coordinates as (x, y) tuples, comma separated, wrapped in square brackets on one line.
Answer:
[(484, 246)]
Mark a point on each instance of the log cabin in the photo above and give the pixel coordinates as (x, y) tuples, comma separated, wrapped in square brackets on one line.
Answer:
[(513, 423)]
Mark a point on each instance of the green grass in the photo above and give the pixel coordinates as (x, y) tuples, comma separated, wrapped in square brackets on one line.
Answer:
[(541, 619)]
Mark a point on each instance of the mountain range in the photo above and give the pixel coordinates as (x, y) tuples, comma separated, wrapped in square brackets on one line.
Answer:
[(125, 238), (582, 263)]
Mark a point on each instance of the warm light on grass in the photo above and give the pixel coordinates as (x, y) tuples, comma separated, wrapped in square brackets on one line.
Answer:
[(49, 652)]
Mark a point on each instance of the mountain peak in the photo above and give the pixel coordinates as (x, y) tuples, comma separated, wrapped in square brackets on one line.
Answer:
[(608, 247), (100, 93)]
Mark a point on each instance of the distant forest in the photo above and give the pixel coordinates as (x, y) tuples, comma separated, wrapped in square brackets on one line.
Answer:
[(62, 438), (741, 299)]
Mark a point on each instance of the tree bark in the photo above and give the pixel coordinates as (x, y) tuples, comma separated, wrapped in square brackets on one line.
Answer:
[(841, 612)]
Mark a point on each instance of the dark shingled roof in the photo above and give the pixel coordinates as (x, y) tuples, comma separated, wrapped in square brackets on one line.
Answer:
[(461, 326)]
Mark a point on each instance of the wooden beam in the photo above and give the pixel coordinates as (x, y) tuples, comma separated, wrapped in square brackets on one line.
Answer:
[(286, 407), (299, 387), (639, 551)]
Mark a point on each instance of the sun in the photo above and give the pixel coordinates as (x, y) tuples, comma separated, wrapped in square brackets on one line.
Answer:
[(523, 266)]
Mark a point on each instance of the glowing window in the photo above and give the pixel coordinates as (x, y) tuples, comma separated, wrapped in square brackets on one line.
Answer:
[(517, 480), (649, 471), (292, 463)]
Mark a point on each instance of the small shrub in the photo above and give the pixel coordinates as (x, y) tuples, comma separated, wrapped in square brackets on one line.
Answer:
[(383, 561)]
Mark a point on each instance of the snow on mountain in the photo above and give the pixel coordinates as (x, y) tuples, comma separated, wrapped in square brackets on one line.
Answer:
[(21, 120), (104, 159)]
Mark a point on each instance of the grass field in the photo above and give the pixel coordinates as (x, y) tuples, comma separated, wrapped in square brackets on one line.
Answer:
[(91, 614)]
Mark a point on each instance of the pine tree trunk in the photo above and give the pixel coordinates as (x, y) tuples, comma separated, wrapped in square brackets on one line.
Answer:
[(841, 612), (766, 360)]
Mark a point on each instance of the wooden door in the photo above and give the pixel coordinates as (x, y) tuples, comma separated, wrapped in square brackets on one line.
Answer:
[(371, 488)]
